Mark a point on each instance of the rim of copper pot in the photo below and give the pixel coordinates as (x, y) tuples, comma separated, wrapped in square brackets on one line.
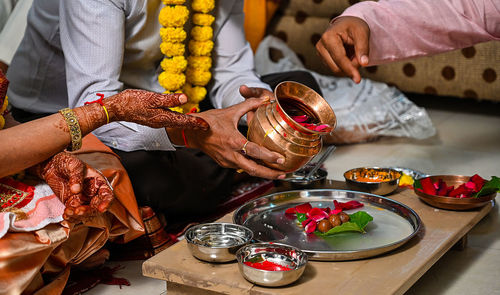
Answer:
[(290, 134), (326, 116)]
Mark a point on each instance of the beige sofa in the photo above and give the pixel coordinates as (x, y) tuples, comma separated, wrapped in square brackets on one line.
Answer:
[(472, 72)]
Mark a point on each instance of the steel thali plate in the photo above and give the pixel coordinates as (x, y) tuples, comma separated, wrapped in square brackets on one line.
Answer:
[(393, 224)]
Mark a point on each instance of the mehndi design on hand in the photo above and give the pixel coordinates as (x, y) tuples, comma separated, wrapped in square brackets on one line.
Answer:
[(152, 109), (83, 190)]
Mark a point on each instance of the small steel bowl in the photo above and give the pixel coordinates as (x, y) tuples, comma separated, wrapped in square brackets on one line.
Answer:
[(384, 187), (297, 179), (217, 242), (282, 254), (451, 203)]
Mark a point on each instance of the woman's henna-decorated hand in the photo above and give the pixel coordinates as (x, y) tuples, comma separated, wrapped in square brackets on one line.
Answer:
[(83, 190), (151, 109)]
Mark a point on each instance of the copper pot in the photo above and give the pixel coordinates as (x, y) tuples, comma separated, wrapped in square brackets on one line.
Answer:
[(273, 127)]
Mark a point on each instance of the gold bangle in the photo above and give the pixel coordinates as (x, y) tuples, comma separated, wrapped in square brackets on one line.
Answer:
[(74, 129)]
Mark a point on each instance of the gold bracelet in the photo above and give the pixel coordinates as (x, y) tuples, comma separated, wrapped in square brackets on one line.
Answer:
[(74, 129)]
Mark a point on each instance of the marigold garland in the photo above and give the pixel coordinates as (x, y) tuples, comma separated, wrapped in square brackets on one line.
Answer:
[(190, 75), (3, 108)]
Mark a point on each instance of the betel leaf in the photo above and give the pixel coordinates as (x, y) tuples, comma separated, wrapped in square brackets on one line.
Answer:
[(301, 217), (417, 184), (357, 222), (490, 187)]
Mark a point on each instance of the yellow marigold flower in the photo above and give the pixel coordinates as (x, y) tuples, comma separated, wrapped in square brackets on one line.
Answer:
[(4, 106), (170, 81), (177, 109), (203, 5), (173, 16), (172, 49), (195, 94), (176, 64), (406, 180), (202, 33), (202, 63), (199, 48), (173, 2), (171, 34), (2, 122), (197, 77), (202, 19)]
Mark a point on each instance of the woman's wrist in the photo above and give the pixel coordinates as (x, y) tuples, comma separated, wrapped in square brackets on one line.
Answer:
[(90, 117), (110, 106)]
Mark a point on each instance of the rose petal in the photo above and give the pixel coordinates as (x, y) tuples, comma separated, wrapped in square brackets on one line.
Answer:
[(305, 222), (290, 211), (300, 119), (320, 128), (316, 211), (428, 186), (470, 185), (335, 212), (303, 208), (347, 205), (478, 180), (319, 217), (311, 227)]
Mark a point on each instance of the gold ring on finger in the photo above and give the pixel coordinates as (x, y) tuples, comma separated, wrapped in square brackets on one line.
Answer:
[(243, 150)]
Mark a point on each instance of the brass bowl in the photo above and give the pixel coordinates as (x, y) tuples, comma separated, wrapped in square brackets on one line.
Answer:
[(384, 187), (451, 203), (273, 128)]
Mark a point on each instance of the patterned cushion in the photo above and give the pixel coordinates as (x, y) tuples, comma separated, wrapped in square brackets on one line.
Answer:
[(469, 72)]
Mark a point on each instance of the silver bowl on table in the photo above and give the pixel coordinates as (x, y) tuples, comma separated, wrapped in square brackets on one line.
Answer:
[(281, 254), (217, 242)]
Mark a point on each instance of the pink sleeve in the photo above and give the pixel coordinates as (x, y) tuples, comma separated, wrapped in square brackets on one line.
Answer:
[(402, 29)]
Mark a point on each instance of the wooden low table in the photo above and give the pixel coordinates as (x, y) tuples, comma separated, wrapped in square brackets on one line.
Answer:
[(391, 273)]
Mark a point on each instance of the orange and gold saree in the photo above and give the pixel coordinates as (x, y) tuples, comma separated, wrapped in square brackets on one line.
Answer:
[(39, 262)]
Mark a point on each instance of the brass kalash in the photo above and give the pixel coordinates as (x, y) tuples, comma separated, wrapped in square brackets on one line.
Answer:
[(273, 127)]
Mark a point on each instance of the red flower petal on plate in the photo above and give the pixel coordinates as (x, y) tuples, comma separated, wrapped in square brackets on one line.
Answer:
[(347, 205), (317, 214), (305, 222), (311, 227), (336, 211), (327, 210), (290, 211), (303, 208), (319, 217)]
